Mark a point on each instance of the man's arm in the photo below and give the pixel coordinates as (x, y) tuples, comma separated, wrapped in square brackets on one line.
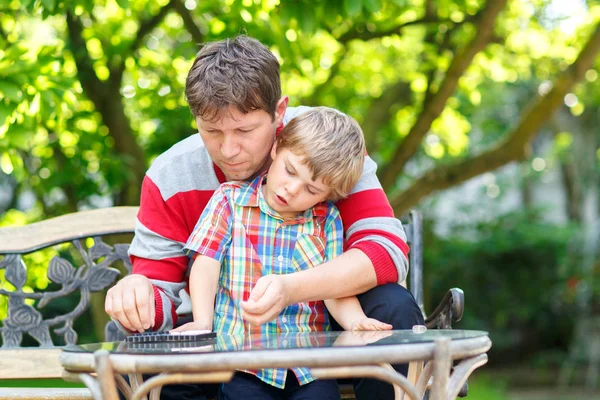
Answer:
[(149, 296)]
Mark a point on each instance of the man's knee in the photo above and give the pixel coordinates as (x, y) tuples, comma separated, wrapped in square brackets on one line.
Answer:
[(393, 304)]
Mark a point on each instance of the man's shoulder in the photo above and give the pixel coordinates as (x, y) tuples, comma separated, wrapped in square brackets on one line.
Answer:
[(184, 167), (293, 112)]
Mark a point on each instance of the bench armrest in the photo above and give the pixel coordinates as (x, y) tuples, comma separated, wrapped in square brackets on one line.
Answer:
[(449, 310)]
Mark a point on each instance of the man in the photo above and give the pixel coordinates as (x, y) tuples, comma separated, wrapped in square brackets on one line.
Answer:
[(234, 93)]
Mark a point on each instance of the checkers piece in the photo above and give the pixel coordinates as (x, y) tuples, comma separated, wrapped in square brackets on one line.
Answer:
[(154, 337)]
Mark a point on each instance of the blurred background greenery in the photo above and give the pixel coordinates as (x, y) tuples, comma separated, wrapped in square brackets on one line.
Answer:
[(481, 114)]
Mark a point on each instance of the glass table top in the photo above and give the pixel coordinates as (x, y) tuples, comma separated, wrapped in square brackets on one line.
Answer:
[(282, 341)]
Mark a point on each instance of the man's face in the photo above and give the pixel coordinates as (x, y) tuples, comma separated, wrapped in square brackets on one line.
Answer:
[(290, 189), (238, 143)]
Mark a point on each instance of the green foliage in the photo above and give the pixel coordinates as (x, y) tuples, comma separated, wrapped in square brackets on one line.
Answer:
[(55, 136), (517, 278)]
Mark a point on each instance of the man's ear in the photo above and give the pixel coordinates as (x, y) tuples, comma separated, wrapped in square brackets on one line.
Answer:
[(274, 150), (280, 110)]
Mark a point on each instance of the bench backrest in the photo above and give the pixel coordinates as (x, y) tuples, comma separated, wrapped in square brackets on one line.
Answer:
[(96, 271)]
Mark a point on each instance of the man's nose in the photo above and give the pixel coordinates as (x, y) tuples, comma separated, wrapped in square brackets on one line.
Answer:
[(229, 146)]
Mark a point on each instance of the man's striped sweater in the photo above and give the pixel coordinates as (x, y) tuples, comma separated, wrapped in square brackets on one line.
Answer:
[(180, 183)]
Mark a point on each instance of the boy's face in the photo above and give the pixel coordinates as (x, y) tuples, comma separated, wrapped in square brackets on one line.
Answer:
[(239, 143), (289, 189)]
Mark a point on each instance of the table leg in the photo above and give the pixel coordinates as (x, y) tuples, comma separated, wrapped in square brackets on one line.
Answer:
[(123, 386), (424, 378), (369, 371), (461, 373), (167, 379), (105, 375), (442, 362)]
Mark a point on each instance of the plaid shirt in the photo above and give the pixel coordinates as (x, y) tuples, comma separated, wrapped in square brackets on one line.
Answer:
[(250, 239)]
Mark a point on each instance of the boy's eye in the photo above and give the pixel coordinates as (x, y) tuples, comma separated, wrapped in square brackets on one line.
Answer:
[(289, 171), (244, 130), (310, 191)]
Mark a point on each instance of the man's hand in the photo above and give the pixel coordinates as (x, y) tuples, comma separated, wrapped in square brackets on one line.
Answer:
[(131, 302), (267, 299)]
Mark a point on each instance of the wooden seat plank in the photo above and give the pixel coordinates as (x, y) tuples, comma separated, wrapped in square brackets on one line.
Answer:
[(83, 224)]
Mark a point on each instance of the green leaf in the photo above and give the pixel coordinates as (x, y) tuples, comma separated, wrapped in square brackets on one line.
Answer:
[(308, 19), (5, 112), (11, 91), (124, 4), (49, 5), (373, 5), (352, 7)]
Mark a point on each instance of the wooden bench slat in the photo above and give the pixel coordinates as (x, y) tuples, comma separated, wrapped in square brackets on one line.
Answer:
[(45, 393), (29, 363), (35, 236)]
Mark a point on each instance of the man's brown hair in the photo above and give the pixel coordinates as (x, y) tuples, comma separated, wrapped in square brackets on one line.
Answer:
[(332, 144), (239, 72)]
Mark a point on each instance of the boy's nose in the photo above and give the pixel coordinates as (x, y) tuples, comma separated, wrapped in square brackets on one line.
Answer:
[(293, 188)]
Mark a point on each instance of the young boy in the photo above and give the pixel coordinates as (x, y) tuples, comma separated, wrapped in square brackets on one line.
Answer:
[(279, 223)]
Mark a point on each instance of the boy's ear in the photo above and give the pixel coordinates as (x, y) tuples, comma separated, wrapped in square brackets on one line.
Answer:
[(274, 150)]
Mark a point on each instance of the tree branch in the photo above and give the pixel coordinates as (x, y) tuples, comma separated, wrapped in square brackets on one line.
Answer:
[(512, 148), (380, 111), (92, 86), (188, 21), (333, 71), (435, 106), (360, 31)]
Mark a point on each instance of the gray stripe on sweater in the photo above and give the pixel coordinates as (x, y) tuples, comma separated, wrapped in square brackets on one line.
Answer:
[(151, 245), (185, 166), (391, 225)]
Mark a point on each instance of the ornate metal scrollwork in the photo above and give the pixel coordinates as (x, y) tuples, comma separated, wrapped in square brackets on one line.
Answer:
[(95, 274)]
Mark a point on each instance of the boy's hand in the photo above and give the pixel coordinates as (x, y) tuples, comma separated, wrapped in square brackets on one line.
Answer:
[(266, 300), (360, 338), (192, 326), (370, 324)]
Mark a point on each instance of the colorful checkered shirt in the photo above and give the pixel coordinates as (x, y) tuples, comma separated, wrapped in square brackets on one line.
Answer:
[(250, 239)]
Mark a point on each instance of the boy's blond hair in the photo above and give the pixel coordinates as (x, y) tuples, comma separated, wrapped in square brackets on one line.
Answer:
[(332, 145)]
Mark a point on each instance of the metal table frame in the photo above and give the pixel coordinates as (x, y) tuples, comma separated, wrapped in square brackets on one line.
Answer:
[(430, 366)]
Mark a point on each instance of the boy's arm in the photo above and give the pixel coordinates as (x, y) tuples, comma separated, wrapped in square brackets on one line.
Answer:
[(350, 315), (204, 281)]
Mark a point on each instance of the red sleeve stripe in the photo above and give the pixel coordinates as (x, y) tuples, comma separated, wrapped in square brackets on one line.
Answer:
[(157, 216), (366, 204), (162, 270), (385, 269), (158, 311), (397, 241)]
